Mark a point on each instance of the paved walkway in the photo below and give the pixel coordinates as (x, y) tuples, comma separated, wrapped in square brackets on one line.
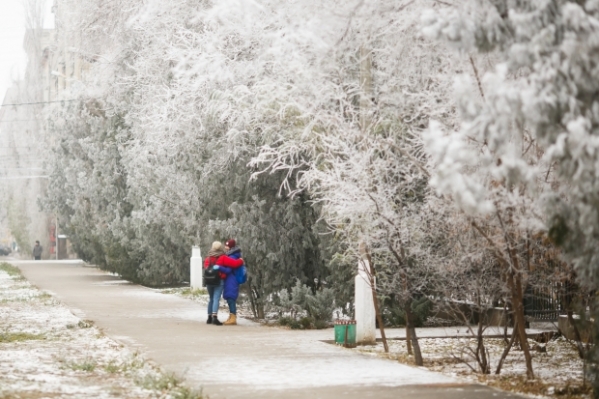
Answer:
[(246, 361)]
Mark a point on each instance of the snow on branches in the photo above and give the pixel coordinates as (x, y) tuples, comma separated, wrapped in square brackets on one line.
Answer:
[(538, 122)]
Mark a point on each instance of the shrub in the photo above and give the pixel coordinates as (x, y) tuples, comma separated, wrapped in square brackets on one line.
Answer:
[(313, 310)]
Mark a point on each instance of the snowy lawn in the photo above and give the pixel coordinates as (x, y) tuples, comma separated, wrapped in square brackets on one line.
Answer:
[(47, 352), (557, 367)]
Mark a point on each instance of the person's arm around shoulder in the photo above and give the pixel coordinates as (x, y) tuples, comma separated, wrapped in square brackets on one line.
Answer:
[(229, 262), (223, 269)]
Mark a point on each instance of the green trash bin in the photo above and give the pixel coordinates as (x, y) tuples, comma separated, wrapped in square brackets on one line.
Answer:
[(345, 333)]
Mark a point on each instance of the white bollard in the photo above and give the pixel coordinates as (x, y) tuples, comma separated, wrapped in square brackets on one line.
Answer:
[(195, 268), (365, 313)]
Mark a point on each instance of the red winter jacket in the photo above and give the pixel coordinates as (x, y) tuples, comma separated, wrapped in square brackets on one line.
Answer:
[(222, 260)]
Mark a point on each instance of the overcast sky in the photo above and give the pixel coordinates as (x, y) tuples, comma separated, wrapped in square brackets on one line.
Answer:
[(12, 31)]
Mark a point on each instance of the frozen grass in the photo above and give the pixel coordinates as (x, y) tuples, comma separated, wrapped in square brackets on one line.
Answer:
[(557, 367), (11, 270), (47, 352), (6, 336)]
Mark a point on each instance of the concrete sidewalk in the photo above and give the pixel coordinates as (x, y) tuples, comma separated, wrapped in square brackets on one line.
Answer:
[(242, 361)]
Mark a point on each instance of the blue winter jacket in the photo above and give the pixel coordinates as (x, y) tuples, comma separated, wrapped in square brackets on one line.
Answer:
[(231, 285)]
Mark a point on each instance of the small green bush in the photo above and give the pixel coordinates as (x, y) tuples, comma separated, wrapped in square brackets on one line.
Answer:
[(395, 315), (87, 365), (306, 322), (112, 367), (321, 324), (160, 382), (301, 309), (295, 325), (169, 382), (421, 309)]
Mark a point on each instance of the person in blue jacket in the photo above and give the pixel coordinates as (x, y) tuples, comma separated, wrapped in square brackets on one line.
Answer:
[(231, 288), (217, 260)]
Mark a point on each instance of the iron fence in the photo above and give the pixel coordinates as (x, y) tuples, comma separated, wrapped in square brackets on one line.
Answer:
[(548, 301)]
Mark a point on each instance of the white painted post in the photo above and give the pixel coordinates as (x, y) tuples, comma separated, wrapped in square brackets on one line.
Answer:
[(365, 313), (195, 268)]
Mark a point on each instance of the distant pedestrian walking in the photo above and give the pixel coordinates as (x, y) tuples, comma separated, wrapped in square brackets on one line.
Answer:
[(215, 261), (37, 251)]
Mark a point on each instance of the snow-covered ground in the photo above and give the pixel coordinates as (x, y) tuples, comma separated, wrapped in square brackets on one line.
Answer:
[(558, 369), (47, 352), (557, 366)]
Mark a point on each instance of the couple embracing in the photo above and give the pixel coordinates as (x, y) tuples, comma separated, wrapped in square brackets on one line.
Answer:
[(220, 279)]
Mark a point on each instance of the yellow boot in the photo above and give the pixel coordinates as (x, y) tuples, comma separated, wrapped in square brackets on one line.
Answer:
[(231, 321)]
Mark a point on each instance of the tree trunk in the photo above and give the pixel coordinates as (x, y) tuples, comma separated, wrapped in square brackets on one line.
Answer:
[(569, 304), (592, 364), (252, 299), (515, 284), (412, 333), (255, 302), (375, 300), (481, 352), (506, 322), (379, 318), (577, 336), (506, 351)]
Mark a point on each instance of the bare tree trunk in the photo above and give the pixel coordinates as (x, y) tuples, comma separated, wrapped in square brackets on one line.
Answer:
[(252, 300), (412, 333), (377, 311), (255, 302), (515, 284), (408, 339), (569, 299), (481, 352), (260, 308), (375, 300), (506, 351), (577, 336), (506, 322)]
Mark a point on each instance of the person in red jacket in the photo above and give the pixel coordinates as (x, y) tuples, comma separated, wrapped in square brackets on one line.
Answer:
[(216, 258)]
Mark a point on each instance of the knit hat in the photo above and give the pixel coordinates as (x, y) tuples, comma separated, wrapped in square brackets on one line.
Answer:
[(230, 243), (216, 246)]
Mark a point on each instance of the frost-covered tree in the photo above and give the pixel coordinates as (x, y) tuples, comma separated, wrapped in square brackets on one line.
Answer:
[(470, 285), (356, 144), (532, 132), (185, 180)]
